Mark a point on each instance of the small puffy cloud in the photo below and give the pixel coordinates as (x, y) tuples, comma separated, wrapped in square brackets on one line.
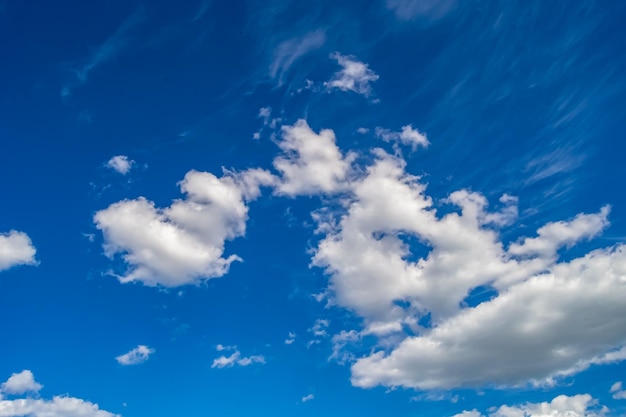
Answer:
[(290, 338), (308, 397), (16, 248), (183, 243), (289, 51), (58, 406), (235, 358), (424, 9), (120, 164), (354, 76), (311, 163), (582, 405), (136, 356), (408, 136), (20, 383), (319, 328), (617, 391)]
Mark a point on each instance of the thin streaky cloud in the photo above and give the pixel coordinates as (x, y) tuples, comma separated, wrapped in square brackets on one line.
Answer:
[(108, 50)]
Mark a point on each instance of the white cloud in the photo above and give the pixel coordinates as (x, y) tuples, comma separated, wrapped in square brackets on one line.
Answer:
[(556, 235), (582, 405), (290, 339), (407, 136), (617, 391), (58, 406), (20, 383), (354, 76), (308, 397), (311, 163), (319, 328), (289, 51), (424, 9), (120, 164), (522, 335), (235, 358), (16, 248), (136, 356), (183, 243)]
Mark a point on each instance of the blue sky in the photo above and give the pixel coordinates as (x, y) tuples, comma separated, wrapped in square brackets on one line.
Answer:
[(389, 207)]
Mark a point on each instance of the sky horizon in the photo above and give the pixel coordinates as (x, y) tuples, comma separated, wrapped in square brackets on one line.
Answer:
[(390, 207)]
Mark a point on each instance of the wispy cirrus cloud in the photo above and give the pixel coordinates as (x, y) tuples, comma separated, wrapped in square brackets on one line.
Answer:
[(108, 50), (290, 50), (424, 9)]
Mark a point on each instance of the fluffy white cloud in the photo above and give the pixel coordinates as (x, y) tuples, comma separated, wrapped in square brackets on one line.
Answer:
[(135, 356), (16, 248), (529, 331), (311, 163), (120, 164), (354, 76), (308, 397), (235, 358), (183, 243), (408, 136), (58, 406), (582, 405), (617, 391), (20, 383)]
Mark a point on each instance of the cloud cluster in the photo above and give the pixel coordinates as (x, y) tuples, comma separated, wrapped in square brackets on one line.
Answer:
[(528, 332), (582, 405), (59, 406), (618, 393), (235, 358), (16, 248), (406, 264), (135, 356)]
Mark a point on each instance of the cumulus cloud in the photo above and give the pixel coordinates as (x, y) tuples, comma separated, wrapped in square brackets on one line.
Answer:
[(16, 248), (58, 406), (582, 405), (183, 243), (20, 383), (522, 334), (235, 358), (308, 397), (354, 76), (121, 164), (135, 356), (618, 392), (311, 163), (408, 136), (289, 51)]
